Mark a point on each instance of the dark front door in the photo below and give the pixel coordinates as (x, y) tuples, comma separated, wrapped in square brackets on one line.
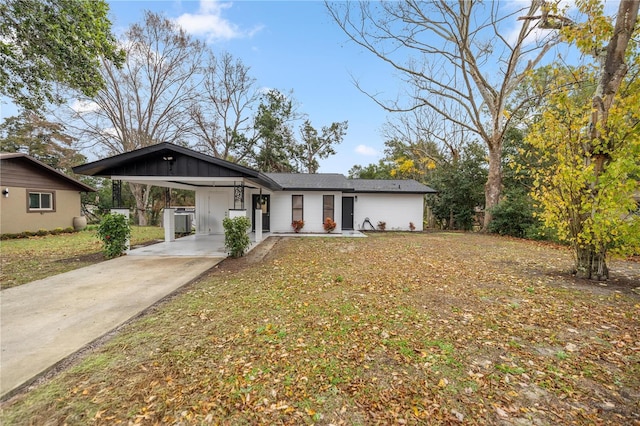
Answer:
[(261, 202), (347, 213)]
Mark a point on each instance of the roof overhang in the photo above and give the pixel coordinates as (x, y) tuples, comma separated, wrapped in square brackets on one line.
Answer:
[(174, 166)]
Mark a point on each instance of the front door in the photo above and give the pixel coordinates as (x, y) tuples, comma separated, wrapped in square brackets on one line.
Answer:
[(347, 213), (261, 202)]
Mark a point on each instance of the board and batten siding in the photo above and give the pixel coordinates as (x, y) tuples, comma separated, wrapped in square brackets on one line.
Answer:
[(23, 174), (397, 210)]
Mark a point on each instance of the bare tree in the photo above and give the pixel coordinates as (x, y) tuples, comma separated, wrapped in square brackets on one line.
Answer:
[(425, 135), (220, 113), (453, 53), (146, 101)]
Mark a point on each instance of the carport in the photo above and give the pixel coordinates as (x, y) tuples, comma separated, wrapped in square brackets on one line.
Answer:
[(222, 189)]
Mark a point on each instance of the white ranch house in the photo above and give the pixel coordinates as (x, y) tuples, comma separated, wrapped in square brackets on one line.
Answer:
[(271, 200)]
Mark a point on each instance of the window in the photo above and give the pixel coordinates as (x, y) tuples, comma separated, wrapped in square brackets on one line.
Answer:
[(327, 207), (296, 207), (40, 201)]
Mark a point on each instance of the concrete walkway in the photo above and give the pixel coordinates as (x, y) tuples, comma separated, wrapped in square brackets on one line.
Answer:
[(45, 321)]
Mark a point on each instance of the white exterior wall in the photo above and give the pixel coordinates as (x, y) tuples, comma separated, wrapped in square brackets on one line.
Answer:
[(212, 206), (281, 214), (397, 210)]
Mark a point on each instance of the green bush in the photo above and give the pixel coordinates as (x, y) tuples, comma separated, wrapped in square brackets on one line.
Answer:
[(236, 239), (114, 231), (514, 216)]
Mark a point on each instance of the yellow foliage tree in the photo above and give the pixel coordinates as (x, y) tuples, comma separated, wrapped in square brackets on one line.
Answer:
[(588, 152)]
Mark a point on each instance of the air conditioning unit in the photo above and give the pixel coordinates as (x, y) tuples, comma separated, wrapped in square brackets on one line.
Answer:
[(183, 223)]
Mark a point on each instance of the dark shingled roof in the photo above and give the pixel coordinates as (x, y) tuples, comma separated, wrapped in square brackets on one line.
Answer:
[(337, 182), (311, 182), (409, 186), (149, 161)]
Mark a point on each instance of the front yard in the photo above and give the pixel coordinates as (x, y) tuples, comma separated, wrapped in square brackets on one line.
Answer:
[(399, 328), (29, 259)]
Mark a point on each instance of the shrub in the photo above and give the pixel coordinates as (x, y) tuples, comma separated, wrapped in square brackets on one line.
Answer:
[(297, 225), (329, 224), (114, 231), (236, 239), (382, 225), (514, 216)]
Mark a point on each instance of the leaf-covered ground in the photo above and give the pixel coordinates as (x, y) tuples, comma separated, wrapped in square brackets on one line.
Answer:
[(436, 328), (29, 259)]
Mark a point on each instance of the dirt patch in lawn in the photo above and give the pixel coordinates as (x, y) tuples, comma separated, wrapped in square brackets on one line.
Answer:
[(396, 328)]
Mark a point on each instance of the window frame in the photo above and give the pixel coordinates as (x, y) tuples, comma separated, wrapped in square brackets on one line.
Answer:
[(40, 193), (297, 209), (324, 208)]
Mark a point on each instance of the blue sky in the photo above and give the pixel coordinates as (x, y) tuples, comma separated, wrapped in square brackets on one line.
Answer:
[(291, 45)]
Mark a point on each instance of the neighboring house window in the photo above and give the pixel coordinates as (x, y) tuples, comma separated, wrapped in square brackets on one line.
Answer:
[(41, 201), (296, 207), (327, 207)]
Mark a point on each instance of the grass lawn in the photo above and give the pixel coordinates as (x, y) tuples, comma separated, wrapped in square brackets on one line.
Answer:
[(28, 259), (394, 328)]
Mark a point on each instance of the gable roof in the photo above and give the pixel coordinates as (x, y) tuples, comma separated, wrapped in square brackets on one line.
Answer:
[(168, 160), (19, 156)]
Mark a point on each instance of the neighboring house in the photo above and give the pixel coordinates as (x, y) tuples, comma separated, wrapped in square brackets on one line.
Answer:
[(223, 188), (36, 196)]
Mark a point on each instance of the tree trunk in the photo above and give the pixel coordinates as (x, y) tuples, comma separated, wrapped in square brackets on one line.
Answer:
[(140, 194), (451, 222), (591, 263), (493, 188)]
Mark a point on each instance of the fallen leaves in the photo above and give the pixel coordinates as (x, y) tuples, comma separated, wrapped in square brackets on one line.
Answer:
[(395, 328)]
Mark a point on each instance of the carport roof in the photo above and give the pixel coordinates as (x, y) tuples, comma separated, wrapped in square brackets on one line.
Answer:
[(174, 164)]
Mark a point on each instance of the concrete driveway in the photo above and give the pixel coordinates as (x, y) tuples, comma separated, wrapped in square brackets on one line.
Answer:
[(45, 321)]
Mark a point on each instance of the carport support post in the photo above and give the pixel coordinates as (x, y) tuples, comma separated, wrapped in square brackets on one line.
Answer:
[(169, 223), (258, 225), (125, 213)]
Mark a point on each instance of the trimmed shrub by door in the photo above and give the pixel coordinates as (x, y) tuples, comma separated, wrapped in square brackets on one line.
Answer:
[(236, 239)]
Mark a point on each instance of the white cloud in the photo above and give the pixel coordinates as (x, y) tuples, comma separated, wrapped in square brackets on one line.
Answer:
[(366, 150), (520, 8), (209, 23), (84, 106)]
